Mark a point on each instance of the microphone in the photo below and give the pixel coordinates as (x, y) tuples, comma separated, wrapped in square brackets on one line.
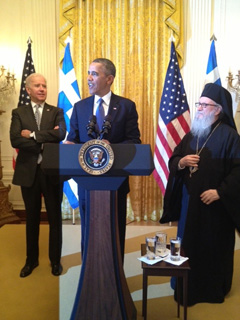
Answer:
[(91, 127), (106, 127)]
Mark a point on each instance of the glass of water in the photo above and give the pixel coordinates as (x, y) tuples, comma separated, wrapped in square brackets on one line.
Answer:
[(161, 244)]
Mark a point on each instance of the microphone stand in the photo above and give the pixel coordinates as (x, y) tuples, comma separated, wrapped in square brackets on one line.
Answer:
[(105, 128), (91, 130)]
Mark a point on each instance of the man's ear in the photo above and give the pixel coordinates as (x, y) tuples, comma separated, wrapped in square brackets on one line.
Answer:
[(28, 90), (218, 111), (110, 79)]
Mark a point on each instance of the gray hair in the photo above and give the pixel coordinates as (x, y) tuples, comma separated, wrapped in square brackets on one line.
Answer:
[(33, 75)]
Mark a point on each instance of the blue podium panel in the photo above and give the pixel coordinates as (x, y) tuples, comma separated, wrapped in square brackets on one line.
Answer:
[(102, 292), (129, 159)]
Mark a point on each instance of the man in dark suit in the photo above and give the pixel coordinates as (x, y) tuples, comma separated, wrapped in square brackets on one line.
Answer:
[(122, 114), (32, 126)]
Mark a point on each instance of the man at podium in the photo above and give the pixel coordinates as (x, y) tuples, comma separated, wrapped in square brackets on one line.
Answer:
[(109, 117)]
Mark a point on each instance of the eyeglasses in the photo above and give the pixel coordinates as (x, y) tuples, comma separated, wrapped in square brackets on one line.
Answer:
[(205, 105)]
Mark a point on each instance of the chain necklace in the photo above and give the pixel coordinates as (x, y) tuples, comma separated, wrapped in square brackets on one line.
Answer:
[(194, 169)]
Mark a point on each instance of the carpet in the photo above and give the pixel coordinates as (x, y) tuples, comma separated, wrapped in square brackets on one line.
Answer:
[(41, 296)]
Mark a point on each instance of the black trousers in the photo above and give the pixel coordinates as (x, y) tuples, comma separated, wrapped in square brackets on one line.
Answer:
[(52, 191)]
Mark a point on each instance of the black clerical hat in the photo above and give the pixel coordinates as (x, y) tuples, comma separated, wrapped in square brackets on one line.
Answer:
[(223, 97)]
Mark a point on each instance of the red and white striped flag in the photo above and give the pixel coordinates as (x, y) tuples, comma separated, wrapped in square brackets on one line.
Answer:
[(173, 121), (24, 99)]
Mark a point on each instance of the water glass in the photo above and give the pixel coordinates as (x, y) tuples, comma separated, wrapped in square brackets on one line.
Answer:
[(161, 244)]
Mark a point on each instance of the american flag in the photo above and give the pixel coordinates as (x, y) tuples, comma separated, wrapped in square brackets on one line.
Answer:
[(173, 121), (24, 99), (28, 68)]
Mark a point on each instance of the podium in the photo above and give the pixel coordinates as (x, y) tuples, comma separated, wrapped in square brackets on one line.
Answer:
[(102, 290)]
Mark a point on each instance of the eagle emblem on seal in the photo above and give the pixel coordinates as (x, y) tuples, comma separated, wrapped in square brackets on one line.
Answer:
[(96, 156)]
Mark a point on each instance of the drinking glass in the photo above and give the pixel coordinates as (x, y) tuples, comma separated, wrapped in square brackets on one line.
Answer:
[(161, 244), (150, 247), (175, 248)]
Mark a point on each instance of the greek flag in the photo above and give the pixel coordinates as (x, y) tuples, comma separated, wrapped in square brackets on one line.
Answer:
[(68, 96), (212, 67)]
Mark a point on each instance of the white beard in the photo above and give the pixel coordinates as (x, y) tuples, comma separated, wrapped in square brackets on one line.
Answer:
[(202, 126)]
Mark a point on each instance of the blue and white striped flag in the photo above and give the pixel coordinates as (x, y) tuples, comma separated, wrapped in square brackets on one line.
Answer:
[(68, 96), (212, 67)]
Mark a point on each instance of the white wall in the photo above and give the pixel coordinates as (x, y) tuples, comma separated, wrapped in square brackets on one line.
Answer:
[(205, 17)]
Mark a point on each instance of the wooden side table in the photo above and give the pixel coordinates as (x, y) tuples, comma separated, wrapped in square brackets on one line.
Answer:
[(163, 268)]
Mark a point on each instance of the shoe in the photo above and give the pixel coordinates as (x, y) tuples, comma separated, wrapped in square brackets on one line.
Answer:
[(27, 269), (57, 269)]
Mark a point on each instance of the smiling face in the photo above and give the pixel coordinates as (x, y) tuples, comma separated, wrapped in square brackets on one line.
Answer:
[(98, 81), (37, 89)]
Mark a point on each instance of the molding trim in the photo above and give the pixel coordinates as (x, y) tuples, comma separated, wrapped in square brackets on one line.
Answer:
[(22, 215)]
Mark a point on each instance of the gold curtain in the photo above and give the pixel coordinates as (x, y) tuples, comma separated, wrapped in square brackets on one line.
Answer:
[(134, 34)]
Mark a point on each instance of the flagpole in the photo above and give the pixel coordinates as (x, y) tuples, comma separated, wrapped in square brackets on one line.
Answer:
[(171, 37), (73, 214), (213, 37), (68, 40)]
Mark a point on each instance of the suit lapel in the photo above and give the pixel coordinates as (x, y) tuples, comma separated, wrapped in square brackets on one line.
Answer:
[(114, 106), (90, 106), (45, 115), (29, 114)]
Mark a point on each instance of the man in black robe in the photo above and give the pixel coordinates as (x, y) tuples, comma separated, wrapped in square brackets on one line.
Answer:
[(203, 193)]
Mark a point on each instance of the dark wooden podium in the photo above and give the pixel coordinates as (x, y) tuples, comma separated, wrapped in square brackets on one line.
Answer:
[(102, 292)]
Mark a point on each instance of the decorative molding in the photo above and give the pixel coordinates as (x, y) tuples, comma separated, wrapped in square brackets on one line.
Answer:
[(6, 158), (21, 213)]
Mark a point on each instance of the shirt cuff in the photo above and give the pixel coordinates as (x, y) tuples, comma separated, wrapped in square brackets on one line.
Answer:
[(32, 135), (179, 167)]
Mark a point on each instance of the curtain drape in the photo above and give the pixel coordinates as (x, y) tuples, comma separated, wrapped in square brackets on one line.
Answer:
[(134, 34)]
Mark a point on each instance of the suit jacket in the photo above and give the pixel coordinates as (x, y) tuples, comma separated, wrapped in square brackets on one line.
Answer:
[(124, 124), (124, 121), (29, 149)]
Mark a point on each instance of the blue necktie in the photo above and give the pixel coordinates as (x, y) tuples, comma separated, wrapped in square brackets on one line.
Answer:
[(100, 114)]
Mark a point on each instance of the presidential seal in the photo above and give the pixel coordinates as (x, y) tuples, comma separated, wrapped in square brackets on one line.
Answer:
[(96, 157)]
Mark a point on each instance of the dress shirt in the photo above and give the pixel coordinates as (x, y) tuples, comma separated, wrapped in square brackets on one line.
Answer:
[(105, 104), (37, 104)]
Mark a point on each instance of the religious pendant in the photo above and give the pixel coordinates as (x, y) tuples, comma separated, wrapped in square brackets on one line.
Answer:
[(192, 170)]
